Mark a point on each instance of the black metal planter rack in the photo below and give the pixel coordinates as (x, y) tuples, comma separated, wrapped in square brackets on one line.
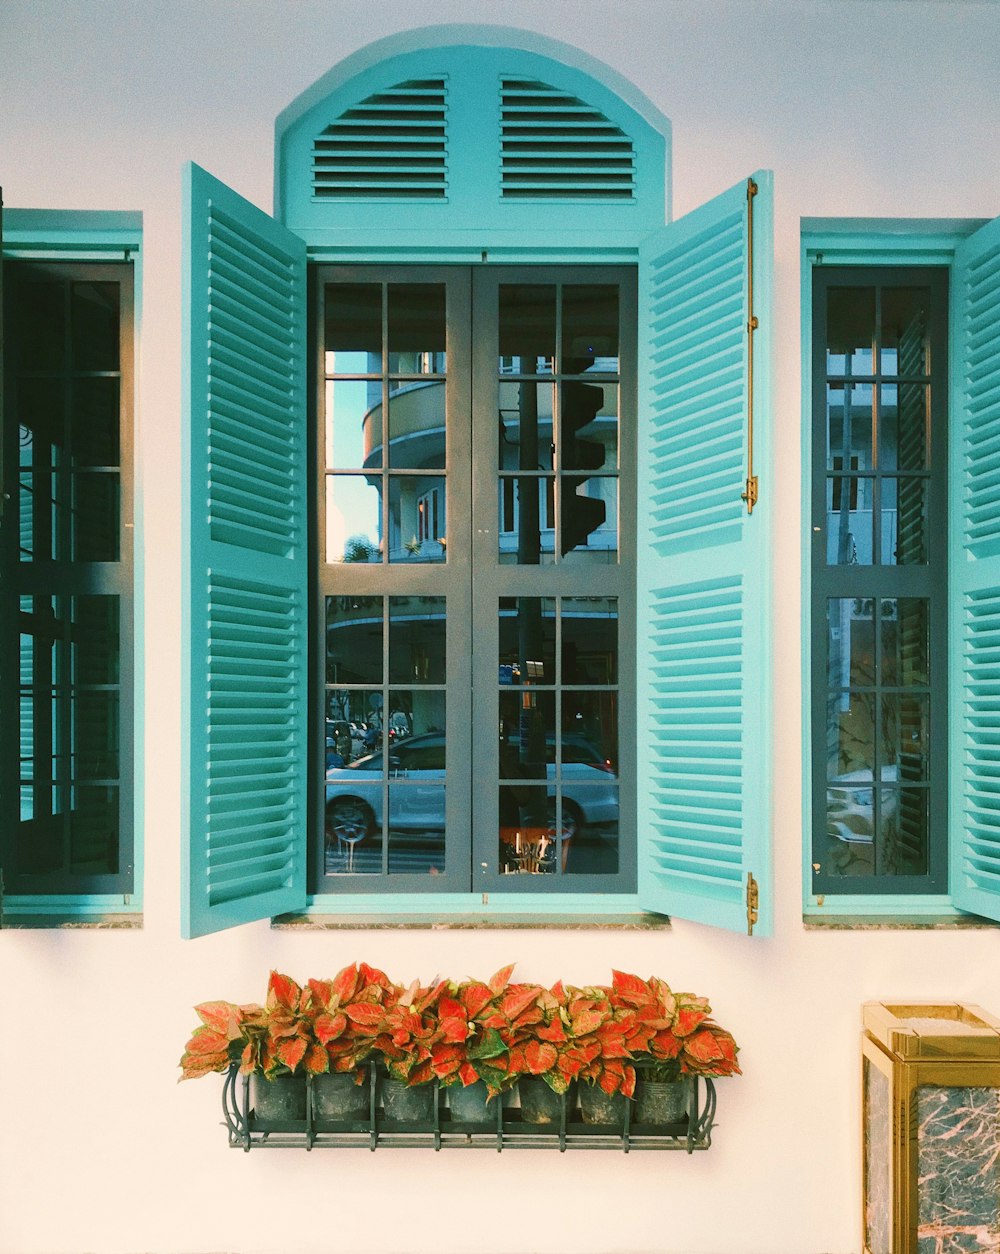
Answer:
[(504, 1131)]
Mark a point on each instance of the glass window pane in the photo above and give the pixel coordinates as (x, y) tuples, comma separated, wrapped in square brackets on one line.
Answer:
[(529, 843), (588, 825), (904, 425), (527, 640), (903, 831), (904, 745), (353, 424), (94, 321), (905, 325), (94, 422), (527, 734), (588, 426), (850, 642), (93, 831), (414, 728), (525, 426), (417, 426), (354, 640), (588, 740), (589, 519), (95, 640), (850, 738), (353, 823), (94, 517), (353, 518), (527, 328), (904, 521), (417, 636), (850, 330), (589, 640), (589, 329), (417, 827), (850, 830), (94, 715), (904, 651), (354, 731), (850, 415), (353, 331), (42, 339), (417, 519), (849, 521), (417, 328), (526, 509)]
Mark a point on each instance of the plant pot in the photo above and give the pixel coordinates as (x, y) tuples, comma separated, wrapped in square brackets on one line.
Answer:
[(472, 1103), (282, 1098), (337, 1097), (660, 1102), (404, 1103), (607, 1109), (539, 1104)]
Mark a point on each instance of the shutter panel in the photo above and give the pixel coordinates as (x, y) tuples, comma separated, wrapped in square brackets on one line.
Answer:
[(704, 561), (974, 576), (245, 594)]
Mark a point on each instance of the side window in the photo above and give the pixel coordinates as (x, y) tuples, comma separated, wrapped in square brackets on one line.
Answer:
[(66, 829)]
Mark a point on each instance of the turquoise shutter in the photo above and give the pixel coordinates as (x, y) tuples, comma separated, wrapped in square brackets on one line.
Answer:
[(974, 575), (704, 559), (245, 611)]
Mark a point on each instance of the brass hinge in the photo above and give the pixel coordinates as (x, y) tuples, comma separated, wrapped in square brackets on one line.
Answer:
[(750, 493), (753, 902)]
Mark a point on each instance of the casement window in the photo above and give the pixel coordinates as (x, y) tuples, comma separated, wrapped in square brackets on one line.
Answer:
[(67, 835), (464, 425), (905, 582)]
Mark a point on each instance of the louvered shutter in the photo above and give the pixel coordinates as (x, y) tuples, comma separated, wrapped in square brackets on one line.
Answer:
[(974, 576), (703, 570), (245, 612)]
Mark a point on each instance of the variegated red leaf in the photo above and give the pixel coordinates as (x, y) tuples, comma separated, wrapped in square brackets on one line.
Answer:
[(316, 1060), (291, 1052), (540, 1056), (329, 1027), (500, 979), (282, 991)]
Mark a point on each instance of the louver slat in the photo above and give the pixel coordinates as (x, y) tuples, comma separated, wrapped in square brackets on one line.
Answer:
[(703, 569), (554, 145), (391, 145), (245, 584), (974, 576)]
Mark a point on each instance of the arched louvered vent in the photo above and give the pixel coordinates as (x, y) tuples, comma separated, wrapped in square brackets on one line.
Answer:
[(554, 145), (390, 145)]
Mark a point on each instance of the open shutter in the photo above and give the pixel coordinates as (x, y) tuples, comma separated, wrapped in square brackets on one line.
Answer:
[(704, 561), (245, 610), (974, 575)]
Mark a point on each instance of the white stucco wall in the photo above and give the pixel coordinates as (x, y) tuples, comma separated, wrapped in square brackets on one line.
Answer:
[(861, 107)]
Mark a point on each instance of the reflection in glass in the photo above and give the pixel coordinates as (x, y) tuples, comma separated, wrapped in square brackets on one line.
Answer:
[(527, 734), (94, 831), (849, 516), (850, 313), (353, 424), (353, 640), (93, 715), (904, 650), (417, 825), (94, 422), (43, 317), (588, 426), (524, 428), (353, 730), (589, 640), (904, 418), (589, 329), (414, 732), (588, 741), (850, 828), (850, 417), (527, 640), (589, 526), (903, 831), (353, 518), (94, 517), (529, 843), (94, 322), (905, 323), (588, 824), (850, 642), (850, 736), (353, 332), (904, 521), (417, 426), (905, 739), (353, 821), (417, 518), (527, 328), (94, 640), (417, 328), (527, 508), (417, 635)]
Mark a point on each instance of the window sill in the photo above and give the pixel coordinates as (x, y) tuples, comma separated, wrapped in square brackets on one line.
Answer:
[(637, 922), (898, 923), (104, 922)]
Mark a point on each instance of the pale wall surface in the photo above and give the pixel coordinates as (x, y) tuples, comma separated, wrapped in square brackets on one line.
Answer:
[(860, 108)]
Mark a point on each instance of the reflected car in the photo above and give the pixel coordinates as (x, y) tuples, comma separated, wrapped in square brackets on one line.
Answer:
[(850, 810), (354, 794)]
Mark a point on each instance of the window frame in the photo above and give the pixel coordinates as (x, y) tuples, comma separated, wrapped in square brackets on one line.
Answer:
[(79, 238), (897, 244)]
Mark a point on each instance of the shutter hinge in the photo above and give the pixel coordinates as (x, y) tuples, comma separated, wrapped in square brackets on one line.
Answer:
[(753, 902), (749, 495)]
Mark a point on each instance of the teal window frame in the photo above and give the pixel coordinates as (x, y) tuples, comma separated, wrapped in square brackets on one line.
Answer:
[(875, 244), (81, 236)]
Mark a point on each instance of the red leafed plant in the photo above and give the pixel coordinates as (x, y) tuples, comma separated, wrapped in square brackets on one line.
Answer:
[(224, 1033), (408, 1030), (348, 1012)]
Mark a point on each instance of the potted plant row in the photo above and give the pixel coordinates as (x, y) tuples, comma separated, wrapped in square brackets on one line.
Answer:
[(478, 1039)]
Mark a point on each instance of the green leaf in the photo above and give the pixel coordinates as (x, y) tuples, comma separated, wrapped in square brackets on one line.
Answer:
[(490, 1046)]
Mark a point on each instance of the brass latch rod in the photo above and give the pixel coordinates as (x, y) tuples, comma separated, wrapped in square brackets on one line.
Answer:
[(753, 902), (750, 492)]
